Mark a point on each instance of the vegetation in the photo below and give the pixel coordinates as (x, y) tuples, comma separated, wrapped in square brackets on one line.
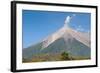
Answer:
[(26, 60), (63, 56)]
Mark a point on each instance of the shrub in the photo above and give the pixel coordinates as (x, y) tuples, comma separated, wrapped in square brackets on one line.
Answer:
[(65, 56)]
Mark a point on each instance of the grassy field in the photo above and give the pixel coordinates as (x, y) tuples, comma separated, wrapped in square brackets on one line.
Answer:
[(64, 56)]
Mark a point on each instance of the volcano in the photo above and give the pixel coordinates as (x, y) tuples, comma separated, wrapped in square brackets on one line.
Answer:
[(66, 39)]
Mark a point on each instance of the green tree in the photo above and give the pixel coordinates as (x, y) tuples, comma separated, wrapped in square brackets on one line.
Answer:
[(65, 56)]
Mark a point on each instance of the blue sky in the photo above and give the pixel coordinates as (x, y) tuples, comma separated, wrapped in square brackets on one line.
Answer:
[(39, 24)]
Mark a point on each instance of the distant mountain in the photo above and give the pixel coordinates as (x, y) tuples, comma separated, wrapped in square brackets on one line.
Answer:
[(65, 39)]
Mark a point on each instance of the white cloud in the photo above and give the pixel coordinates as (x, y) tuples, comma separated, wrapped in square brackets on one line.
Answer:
[(68, 18), (79, 28), (74, 15), (67, 21)]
